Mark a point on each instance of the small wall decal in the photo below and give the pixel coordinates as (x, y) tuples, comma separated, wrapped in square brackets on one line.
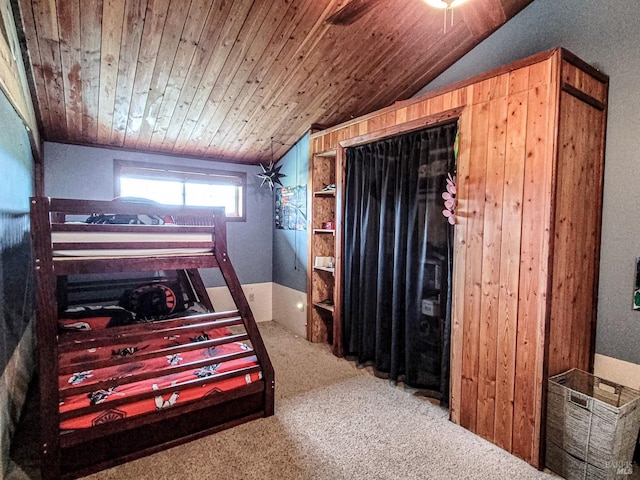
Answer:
[(450, 202)]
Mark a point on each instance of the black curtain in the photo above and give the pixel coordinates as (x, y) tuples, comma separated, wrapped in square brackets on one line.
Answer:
[(397, 257)]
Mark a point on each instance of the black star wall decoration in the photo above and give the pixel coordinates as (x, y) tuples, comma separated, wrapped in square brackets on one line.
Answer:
[(271, 175)]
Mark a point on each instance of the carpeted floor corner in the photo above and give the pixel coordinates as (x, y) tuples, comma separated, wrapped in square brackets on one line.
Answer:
[(332, 421)]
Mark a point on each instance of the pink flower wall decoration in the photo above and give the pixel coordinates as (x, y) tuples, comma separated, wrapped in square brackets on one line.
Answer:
[(450, 200)]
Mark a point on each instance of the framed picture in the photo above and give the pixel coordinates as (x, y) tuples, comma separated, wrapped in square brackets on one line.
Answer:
[(291, 208), (636, 290)]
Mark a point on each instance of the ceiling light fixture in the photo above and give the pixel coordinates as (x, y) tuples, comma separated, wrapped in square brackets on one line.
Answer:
[(448, 6)]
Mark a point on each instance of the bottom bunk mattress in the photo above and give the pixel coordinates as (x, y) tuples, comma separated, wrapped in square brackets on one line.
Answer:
[(234, 357)]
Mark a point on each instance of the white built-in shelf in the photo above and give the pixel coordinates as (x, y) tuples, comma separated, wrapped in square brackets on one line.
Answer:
[(325, 269), (325, 193), (324, 306), (323, 230)]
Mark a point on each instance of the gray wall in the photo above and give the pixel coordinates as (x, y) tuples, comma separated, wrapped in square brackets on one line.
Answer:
[(290, 246), (607, 35), (16, 186), (73, 171)]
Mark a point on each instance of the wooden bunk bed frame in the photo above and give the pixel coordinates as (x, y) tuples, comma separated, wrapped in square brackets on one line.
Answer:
[(74, 453)]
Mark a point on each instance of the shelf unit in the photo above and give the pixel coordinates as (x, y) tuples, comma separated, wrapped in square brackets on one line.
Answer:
[(322, 243)]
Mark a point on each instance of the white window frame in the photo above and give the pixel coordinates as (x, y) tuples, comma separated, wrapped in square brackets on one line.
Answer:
[(187, 175)]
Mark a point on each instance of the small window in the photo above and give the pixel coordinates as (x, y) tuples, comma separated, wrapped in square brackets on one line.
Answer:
[(172, 185)]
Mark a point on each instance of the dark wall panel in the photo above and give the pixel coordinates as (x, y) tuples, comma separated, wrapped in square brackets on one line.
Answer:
[(16, 293), (16, 180)]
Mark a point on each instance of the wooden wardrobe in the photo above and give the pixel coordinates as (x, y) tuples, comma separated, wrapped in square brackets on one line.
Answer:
[(527, 235)]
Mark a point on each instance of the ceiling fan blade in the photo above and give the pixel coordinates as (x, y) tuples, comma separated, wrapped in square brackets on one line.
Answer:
[(351, 12)]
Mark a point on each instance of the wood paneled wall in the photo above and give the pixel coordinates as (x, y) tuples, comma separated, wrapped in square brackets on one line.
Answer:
[(527, 235)]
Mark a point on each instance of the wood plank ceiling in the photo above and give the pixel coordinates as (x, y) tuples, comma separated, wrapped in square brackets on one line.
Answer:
[(230, 80)]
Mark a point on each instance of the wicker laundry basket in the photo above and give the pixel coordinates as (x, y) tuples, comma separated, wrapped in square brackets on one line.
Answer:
[(592, 427)]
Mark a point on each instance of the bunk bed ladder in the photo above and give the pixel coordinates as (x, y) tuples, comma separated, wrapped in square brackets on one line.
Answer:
[(231, 279)]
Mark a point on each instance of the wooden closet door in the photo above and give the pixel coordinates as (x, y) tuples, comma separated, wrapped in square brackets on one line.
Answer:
[(527, 245), (502, 245)]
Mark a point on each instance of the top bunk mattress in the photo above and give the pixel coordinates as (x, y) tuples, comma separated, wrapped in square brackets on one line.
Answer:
[(129, 244)]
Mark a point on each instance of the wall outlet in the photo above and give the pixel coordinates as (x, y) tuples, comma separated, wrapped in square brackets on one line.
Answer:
[(251, 297)]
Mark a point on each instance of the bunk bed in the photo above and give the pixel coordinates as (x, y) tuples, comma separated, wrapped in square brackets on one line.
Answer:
[(118, 382)]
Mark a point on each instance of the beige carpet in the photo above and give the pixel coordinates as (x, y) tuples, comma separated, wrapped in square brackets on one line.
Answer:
[(332, 421)]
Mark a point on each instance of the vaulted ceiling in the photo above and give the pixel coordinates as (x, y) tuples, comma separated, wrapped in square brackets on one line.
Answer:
[(231, 80)]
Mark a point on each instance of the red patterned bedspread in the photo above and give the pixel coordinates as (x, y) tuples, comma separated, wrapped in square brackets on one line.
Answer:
[(182, 394)]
